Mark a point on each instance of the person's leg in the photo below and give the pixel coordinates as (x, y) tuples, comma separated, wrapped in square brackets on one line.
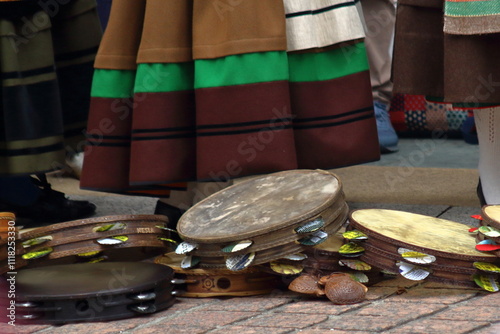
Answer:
[(488, 129), (380, 18)]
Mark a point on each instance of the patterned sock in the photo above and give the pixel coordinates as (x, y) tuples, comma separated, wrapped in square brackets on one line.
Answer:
[(488, 129)]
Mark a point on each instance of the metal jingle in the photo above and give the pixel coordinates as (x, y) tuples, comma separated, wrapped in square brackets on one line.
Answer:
[(29, 316), (185, 247), (178, 281), (235, 247), (116, 240), (143, 309), (239, 262), (143, 296), (36, 241), (311, 226), (37, 254), (109, 227), (314, 239), (26, 304)]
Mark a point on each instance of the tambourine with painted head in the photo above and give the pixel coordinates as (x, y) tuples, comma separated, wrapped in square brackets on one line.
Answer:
[(88, 292), (262, 219), (114, 238), (420, 247)]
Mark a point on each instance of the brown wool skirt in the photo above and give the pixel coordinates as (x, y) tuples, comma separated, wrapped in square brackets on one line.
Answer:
[(206, 90), (460, 68)]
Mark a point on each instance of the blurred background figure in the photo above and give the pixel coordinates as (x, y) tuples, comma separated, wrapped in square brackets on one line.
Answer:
[(380, 18), (46, 55)]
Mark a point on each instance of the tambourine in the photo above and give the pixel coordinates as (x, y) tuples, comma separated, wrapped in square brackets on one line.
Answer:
[(114, 238), (420, 247), (7, 220), (262, 219), (210, 282), (89, 292), (325, 259), (488, 234)]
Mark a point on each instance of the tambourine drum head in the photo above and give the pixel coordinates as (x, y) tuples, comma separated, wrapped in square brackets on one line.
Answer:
[(73, 280), (432, 234), (260, 205)]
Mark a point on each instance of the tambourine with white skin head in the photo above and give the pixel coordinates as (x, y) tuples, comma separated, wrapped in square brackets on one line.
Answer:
[(115, 238), (488, 234), (262, 219), (210, 282), (89, 292), (420, 247)]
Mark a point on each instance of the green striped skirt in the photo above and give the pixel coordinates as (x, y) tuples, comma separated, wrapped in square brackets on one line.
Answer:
[(46, 58), (211, 90)]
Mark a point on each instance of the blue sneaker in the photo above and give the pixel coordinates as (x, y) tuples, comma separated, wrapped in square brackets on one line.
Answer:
[(387, 136)]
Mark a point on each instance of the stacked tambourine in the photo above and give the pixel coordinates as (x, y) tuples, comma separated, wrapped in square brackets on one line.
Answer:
[(420, 247), (127, 237), (60, 277), (265, 221)]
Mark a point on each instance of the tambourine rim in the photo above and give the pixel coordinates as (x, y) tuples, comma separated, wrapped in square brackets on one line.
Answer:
[(162, 273)]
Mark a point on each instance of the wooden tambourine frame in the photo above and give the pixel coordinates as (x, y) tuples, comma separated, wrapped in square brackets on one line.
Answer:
[(449, 242)]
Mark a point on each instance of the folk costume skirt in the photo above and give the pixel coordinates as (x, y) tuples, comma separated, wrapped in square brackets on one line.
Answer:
[(46, 58), (210, 90), (451, 63)]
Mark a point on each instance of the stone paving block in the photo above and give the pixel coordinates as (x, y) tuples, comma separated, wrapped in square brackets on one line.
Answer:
[(328, 331), (284, 320), (208, 319), (320, 306), (367, 323), (110, 327), (484, 299), (250, 330), (389, 309), (483, 313), (430, 326), (21, 329), (492, 329), (248, 304), (380, 292), (166, 328), (434, 296)]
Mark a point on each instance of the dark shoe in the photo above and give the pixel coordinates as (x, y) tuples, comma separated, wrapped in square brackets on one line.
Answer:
[(51, 207), (173, 214)]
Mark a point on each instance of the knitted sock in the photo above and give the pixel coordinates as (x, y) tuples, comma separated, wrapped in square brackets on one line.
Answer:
[(488, 130)]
